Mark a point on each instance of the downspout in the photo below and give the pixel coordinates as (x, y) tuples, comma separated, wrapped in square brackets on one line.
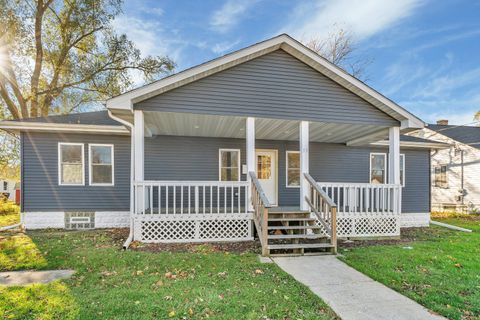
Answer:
[(132, 175)]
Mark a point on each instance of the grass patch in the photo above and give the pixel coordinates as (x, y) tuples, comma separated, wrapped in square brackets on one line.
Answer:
[(440, 270), (115, 284), (9, 213), (17, 252)]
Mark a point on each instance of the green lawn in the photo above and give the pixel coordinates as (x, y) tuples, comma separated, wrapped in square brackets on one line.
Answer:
[(115, 284), (440, 270)]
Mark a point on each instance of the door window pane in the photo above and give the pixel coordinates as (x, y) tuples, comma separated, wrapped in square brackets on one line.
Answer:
[(264, 168), (71, 164)]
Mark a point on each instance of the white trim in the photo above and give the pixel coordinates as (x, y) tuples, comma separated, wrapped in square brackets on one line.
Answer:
[(286, 169), (414, 144), (112, 151), (394, 155), (250, 153), (304, 144), (220, 163), (402, 172), (291, 46), (59, 164), (17, 126), (385, 171), (139, 139)]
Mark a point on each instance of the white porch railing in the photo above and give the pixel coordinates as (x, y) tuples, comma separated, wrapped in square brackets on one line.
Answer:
[(191, 211), (365, 209)]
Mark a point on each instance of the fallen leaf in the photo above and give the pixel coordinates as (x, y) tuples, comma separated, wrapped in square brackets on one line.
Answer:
[(171, 314)]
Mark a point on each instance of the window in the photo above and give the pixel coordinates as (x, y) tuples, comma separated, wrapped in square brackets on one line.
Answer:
[(5, 185), (101, 164), (293, 169), (378, 165), (229, 164), (70, 164), (441, 176)]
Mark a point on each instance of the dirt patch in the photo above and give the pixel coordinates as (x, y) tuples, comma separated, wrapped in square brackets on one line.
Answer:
[(406, 235), (234, 247)]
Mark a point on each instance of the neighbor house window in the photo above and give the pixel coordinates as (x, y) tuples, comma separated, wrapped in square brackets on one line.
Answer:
[(378, 167), (293, 169), (441, 176), (71, 164), (101, 164), (229, 164), (5, 185)]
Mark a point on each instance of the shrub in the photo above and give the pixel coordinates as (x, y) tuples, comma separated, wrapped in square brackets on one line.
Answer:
[(8, 208)]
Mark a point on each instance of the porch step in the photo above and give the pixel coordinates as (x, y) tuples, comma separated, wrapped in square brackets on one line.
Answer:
[(299, 246), (295, 236), (293, 227), (291, 219), (287, 212)]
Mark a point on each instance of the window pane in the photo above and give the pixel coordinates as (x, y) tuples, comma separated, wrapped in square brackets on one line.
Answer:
[(71, 154), (101, 154), (378, 162), (264, 167), (229, 159), (294, 160), (101, 174), (293, 177), (72, 173), (229, 174), (377, 176)]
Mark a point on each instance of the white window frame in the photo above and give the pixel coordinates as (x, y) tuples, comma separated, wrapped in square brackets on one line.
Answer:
[(385, 178), (220, 162), (402, 155), (286, 169), (435, 176), (90, 145), (59, 163)]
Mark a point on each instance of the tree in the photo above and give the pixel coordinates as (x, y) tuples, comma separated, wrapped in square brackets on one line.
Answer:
[(338, 48), (57, 56)]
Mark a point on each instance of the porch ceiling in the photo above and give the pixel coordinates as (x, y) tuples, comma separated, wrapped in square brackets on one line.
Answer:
[(186, 124)]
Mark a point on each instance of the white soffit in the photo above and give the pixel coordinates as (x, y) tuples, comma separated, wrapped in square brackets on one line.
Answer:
[(289, 45), (195, 125)]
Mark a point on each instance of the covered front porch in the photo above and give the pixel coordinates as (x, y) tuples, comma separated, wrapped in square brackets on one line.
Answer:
[(263, 168)]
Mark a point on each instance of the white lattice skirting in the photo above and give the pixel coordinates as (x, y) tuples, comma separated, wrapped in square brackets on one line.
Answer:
[(373, 225), (169, 228)]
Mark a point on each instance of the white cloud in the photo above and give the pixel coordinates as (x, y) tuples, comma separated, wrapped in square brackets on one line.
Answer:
[(229, 14), (149, 37), (363, 18), (223, 47), (448, 84)]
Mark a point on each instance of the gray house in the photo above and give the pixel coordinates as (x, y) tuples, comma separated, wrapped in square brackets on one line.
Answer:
[(271, 140)]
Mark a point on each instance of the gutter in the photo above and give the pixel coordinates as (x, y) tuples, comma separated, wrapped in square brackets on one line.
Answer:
[(132, 175), (17, 126)]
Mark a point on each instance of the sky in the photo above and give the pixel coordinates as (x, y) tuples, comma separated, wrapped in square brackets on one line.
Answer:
[(423, 54)]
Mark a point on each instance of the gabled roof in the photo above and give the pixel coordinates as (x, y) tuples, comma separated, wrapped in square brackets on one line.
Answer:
[(285, 43), (463, 134)]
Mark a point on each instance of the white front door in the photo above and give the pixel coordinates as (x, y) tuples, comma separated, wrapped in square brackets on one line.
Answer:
[(267, 173)]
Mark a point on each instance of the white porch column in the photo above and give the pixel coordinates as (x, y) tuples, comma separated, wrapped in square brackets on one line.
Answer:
[(138, 132), (250, 150), (394, 155), (304, 162)]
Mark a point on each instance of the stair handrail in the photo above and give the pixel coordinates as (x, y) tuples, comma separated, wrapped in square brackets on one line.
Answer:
[(261, 205), (324, 208)]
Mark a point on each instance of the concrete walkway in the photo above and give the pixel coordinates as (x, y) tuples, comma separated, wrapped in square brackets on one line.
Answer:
[(21, 278), (351, 294)]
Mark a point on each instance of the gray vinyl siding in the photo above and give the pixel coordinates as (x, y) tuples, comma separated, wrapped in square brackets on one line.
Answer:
[(41, 191), (196, 158), (275, 85)]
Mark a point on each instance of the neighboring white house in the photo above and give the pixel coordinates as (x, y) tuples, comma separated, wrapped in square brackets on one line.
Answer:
[(455, 171), (8, 187)]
